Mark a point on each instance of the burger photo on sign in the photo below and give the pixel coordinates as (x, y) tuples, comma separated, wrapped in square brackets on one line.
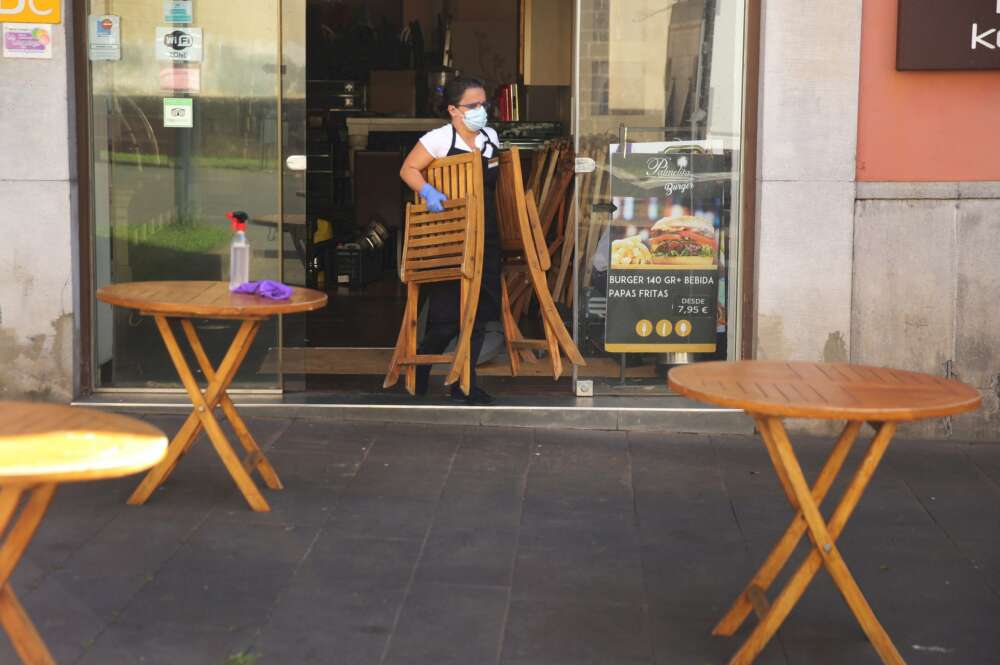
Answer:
[(683, 240)]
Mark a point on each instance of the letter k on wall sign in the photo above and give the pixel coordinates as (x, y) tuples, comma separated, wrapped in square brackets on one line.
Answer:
[(948, 34), (30, 11)]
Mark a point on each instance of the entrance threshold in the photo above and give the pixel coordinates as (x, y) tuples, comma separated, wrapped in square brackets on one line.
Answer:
[(663, 414)]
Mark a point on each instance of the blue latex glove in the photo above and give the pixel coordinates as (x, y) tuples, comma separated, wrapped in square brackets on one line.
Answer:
[(433, 198)]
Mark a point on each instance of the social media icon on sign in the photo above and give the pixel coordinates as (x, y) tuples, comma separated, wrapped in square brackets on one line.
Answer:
[(644, 328)]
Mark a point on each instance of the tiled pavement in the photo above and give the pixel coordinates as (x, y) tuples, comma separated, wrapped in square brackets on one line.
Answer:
[(434, 545)]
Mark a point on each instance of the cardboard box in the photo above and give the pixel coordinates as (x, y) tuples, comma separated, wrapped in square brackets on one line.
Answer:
[(393, 92)]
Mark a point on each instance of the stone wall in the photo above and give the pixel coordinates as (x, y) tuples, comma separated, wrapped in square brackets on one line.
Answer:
[(38, 250), (806, 146), (927, 288)]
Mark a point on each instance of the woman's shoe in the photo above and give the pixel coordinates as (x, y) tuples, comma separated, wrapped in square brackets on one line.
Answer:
[(476, 397)]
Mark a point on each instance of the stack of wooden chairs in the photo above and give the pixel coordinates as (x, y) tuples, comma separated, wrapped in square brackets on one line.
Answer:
[(439, 247), (526, 261)]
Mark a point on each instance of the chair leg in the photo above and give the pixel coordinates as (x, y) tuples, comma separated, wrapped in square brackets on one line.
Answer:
[(551, 315), (392, 375), (555, 359), (468, 314), (509, 328), (410, 323)]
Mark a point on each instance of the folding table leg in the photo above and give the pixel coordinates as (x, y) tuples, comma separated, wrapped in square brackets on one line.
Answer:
[(779, 556), (23, 636), (256, 458), (824, 552), (202, 416)]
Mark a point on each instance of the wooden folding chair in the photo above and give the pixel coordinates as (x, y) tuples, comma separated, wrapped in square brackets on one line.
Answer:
[(440, 247), (524, 249)]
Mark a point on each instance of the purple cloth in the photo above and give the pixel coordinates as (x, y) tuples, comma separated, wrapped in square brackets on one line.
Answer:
[(266, 288)]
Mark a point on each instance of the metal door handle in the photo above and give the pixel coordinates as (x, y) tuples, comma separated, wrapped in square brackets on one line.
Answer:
[(296, 162)]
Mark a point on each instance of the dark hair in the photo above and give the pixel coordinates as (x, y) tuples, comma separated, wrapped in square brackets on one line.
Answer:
[(455, 90)]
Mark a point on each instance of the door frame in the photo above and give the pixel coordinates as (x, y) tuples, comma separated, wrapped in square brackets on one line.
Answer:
[(83, 212)]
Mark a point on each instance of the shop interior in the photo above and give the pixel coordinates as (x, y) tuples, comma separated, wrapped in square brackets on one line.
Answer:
[(375, 72), (582, 98)]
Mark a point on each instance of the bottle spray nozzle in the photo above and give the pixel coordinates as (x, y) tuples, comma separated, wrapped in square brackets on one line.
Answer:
[(238, 219)]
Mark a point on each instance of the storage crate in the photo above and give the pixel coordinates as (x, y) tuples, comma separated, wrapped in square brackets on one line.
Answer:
[(355, 267)]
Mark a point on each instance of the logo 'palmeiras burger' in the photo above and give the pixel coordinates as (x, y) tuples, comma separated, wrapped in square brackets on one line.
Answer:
[(683, 240), (178, 40)]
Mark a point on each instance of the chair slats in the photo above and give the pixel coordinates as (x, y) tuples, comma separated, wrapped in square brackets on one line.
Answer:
[(522, 239), (438, 247)]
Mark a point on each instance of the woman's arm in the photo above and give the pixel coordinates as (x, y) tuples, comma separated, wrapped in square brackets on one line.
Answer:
[(418, 160)]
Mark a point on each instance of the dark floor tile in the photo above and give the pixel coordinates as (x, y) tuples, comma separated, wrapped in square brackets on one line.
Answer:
[(66, 625), (986, 457), (382, 517), (297, 504), (316, 434), (494, 450), (336, 561), (110, 569), (493, 500), (579, 562), (697, 578), (562, 496), (189, 489), (443, 624), (580, 451), (76, 513), (576, 634), (682, 639), (852, 650), (165, 643), (410, 445), (960, 500), (328, 468), (226, 575), (380, 479), (668, 451), (479, 556), (343, 626)]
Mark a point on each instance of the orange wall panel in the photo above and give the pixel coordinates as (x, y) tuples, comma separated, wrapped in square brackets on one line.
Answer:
[(922, 126)]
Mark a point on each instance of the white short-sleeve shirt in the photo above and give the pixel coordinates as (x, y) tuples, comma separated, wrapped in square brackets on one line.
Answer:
[(438, 141)]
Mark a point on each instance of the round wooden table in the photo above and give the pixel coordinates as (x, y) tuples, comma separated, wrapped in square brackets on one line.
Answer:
[(212, 300), (771, 391), (42, 445)]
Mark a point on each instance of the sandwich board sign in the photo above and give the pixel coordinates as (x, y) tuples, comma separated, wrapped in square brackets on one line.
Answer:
[(663, 270)]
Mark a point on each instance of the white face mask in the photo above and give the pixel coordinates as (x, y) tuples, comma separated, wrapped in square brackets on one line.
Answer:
[(475, 119)]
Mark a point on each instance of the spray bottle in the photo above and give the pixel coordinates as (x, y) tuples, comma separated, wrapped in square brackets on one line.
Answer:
[(239, 250)]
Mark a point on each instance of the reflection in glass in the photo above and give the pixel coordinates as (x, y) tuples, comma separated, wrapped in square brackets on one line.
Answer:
[(160, 193), (662, 77)]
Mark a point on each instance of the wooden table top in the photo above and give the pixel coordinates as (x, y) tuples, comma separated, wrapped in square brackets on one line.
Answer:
[(206, 299), (54, 443), (834, 391), (291, 219)]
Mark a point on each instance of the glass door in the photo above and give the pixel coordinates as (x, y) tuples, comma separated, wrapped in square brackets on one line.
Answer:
[(194, 107), (657, 119)]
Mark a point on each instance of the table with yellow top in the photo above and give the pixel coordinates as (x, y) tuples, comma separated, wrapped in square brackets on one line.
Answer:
[(42, 445)]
